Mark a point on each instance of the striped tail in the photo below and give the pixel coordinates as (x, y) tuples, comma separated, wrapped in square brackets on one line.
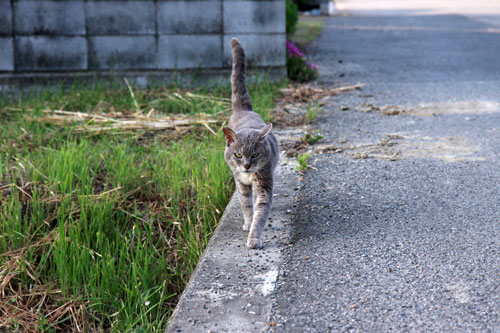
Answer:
[(241, 98)]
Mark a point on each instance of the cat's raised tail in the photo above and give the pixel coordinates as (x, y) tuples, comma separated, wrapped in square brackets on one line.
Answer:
[(241, 99)]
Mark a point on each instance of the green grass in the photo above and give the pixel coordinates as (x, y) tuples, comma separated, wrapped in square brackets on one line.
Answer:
[(303, 163), (308, 29), (102, 232)]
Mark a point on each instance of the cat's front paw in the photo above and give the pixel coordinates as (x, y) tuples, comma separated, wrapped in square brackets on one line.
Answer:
[(254, 243), (246, 226)]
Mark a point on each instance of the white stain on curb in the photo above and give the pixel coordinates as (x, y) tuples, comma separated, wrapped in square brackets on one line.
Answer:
[(269, 282)]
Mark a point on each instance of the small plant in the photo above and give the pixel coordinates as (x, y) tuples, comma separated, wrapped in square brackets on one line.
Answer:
[(311, 113), (303, 163), (298, 69), (309, 139)]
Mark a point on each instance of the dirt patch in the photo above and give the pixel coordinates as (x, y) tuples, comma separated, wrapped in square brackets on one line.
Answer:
[(433, 109), (399, 146), (291, 111), (462, 107), (449, 149)]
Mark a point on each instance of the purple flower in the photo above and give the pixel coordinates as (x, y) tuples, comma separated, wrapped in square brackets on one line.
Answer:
[(294, 53), (311, 66), (293, 50)]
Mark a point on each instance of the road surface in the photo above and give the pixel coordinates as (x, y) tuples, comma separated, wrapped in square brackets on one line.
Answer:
[(401, 230)]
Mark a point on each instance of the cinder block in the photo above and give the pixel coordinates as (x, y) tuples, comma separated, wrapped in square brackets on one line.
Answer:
[(44, 53), (189, 17), (260, 50), (121, 18), (254, 17), (189, 51), (122, 52), (60, 18), (6, 54), (5, 18)]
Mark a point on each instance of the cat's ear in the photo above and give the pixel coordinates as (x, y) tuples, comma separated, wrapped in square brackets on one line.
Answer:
[(230, 135), (266, 130)]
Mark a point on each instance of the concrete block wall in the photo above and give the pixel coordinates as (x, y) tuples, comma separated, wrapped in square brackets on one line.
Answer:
[(101, 35)]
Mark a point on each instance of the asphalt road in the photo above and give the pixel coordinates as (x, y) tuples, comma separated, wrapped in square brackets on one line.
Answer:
[(401, 231)]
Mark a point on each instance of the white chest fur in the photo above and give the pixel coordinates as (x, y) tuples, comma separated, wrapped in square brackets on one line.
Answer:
[(245, 177)]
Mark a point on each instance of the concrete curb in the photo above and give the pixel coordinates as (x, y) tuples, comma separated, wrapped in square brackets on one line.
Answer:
[(232, 287)]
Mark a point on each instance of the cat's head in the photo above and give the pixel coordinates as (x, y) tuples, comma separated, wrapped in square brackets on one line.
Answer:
[(247, 150)]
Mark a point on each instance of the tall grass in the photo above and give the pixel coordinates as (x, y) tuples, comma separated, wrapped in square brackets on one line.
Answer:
[(101, 233)]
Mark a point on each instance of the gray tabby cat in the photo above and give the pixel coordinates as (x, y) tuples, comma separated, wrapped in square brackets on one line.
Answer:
[(251, 152)]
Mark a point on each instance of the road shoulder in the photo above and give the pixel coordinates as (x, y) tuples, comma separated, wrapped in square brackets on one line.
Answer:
[(232, 287)]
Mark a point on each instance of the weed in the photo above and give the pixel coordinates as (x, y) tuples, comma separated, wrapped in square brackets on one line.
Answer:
[(302, 159), (312, 113), (310, 139)]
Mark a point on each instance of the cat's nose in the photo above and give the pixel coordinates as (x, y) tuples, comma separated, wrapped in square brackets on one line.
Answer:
[(246, 166)]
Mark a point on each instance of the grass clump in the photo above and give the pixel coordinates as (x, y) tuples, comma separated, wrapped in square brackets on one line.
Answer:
[(308, 29), (302, 159), (102, 232)]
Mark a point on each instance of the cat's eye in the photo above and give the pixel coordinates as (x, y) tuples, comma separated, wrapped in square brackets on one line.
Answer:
[(255, 155), (238, 155)]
